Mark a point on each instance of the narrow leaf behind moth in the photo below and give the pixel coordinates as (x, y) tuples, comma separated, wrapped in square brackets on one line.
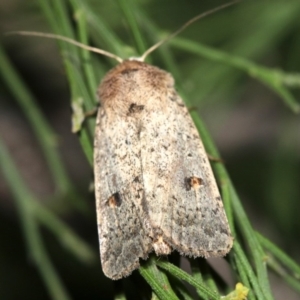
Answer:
[(155, 189)]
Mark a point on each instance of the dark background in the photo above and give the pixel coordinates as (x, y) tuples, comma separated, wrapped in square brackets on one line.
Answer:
[(257, 134)]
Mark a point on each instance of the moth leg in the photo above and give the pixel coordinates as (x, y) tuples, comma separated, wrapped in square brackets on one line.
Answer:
[(92, 112), (79, 117)]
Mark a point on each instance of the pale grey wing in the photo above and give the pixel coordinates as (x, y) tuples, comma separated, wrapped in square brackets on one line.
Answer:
[(183, 200), (119, 192)]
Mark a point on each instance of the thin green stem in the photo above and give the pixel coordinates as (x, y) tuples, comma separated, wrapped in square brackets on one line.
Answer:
[(157, 280), (32, 235), (267, 76), (175, 271), (128, 8), (45, 136), (76, 80), (242, 260), (279, 254)]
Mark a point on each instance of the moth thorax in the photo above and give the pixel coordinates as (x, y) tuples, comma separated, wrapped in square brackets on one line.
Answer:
[(136, 80)]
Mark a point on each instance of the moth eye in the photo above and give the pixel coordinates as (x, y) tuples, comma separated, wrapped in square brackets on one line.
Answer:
[(193, 182), (134, 108), (114, 200)]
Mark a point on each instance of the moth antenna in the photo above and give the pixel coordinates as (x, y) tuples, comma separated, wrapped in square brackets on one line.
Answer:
[(184, 26), (68, 40)]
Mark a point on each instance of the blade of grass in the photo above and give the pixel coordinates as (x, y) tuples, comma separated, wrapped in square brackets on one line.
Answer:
[(282, 272), (45, 136), (243, 261), (180, 289), (128, 8), (157, 280), (280, 255), (29, 225), (175, 271), (253, 243), (86, 57), (268, 76), (68, 239), (101, 32), (76, 80), (197, 276), (155, 33), (207, 272)]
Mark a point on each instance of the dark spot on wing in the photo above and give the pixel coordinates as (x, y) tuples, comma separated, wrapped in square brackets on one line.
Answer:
[(209, 232), (192, 182), (114, 200), (137, 179)]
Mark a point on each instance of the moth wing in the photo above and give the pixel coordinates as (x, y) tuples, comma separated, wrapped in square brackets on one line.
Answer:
[(183, 201), (119, 192)]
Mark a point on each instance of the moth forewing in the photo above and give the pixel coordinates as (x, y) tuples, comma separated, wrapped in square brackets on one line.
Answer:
[(155, 189)]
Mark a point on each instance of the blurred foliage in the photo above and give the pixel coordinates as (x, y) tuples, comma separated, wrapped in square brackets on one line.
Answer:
[(238, 67)]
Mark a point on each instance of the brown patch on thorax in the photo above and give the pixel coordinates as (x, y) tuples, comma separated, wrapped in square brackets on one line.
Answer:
[(135, 81)]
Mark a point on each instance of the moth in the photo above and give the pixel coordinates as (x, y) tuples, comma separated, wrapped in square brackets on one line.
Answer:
[(154, 186)]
